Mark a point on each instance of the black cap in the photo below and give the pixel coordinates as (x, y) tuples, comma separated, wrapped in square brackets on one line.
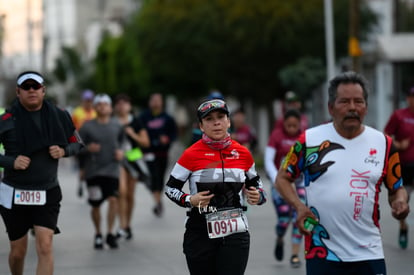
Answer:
[(211, 105)]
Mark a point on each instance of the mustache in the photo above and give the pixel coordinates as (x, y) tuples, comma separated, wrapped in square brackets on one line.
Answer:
[(352, 116)]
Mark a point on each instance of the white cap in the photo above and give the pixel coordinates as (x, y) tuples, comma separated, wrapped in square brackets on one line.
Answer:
[(102, 98), (30, 75)]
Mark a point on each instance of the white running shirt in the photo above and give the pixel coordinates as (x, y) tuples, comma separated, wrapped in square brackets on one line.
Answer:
[(342, 179)]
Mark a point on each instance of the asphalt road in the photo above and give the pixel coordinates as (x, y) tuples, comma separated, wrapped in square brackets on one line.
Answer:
[(156, 248)]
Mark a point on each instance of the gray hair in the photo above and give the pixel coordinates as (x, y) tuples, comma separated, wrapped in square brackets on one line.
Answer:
[(346, 78)]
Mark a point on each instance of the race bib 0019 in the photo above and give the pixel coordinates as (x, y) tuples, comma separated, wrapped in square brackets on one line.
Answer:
[(225, 222), (29, 197)]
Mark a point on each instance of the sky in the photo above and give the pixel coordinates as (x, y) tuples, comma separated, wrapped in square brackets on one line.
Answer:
[(16, 25)]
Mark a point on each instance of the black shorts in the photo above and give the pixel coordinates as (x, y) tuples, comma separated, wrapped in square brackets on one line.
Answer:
[(324, 267), (100, 188), (21, 218)]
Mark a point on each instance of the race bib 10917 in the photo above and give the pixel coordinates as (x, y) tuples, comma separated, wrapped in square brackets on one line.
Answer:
[(225, 222)]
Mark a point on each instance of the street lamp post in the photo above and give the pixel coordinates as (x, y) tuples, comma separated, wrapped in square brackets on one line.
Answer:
[(354, 50), (29, 33), (329, 40), (330, 48)]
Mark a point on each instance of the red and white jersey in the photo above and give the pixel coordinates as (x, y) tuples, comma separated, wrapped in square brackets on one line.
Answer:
[(222, 172), (343, 179)]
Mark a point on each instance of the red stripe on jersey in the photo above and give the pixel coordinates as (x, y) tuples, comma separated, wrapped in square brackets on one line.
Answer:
[(200, 156)]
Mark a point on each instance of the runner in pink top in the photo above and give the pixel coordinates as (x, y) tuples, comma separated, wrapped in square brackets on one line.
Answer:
[(280, 142)]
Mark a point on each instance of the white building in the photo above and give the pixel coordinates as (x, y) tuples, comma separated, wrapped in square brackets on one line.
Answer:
[(79, 24), (36, 30), (388, 50)]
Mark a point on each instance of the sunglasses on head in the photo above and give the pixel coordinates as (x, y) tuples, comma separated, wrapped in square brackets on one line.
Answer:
[(211, 104), (28, 86)]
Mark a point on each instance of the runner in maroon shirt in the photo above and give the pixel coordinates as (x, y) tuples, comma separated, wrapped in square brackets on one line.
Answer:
[(292, 101), (401, 127), (241, 131)]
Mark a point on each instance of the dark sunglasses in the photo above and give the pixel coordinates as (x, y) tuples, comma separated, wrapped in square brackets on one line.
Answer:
[(28, 86)]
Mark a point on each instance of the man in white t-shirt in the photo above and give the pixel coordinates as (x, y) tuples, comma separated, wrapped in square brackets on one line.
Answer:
[(344, 163)]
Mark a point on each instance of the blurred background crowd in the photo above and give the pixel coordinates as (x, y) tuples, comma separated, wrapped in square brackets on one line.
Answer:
[(252, 52), (262, 57)]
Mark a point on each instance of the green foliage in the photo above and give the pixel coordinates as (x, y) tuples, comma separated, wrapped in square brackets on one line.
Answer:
[(107, 73), (303, 76), (68, 64), (118, 68), (70, 68), (187, 47), (404, 18), (190, 46)]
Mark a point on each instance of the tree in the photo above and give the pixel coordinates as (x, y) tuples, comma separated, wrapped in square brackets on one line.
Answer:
[(118, 68), (71, 72), (304, 76), (68, 65), (187, 47)]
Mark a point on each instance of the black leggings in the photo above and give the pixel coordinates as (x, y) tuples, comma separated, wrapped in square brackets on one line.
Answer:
[(157, 169), (221, 256)]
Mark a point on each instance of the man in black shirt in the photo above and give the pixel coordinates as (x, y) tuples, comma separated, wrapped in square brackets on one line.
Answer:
[(35, 134)]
